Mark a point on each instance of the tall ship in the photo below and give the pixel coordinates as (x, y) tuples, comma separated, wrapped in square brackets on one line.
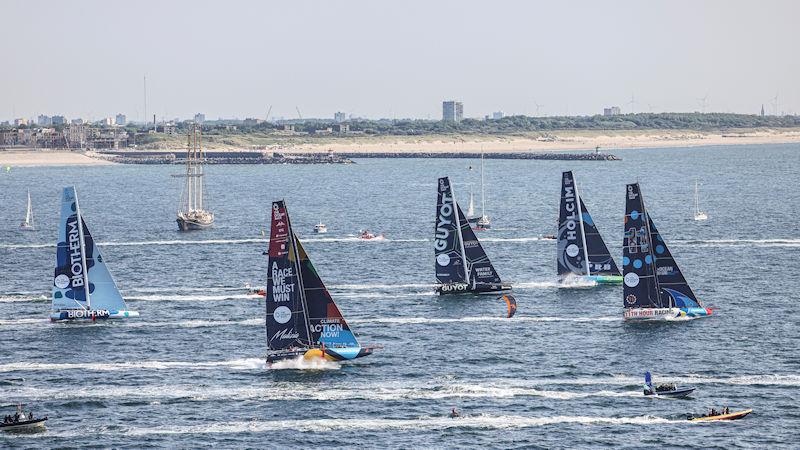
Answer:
[(83, 288), (462, 265), (192, 214), (27, 224), (654, 287), (302, 319), (582, 253)]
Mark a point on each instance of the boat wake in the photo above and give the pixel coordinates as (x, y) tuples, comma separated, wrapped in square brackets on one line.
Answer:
[(189, 297), (301, 363), (517, 318), (740, 242)]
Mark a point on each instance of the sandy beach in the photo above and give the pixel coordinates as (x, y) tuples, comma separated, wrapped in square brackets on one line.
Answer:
[(568, 140), (43, 157)]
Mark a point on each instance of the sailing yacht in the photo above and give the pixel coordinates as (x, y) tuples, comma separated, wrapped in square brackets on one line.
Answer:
[(698, 215), (28, 225), (483, 222), (581, 250), (654, 287), (461, 263), (302, 318), (83, 288), (192, 214)]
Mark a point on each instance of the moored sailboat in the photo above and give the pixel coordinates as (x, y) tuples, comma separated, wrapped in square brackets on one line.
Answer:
[(461, 263), (192, 214), (301, 316), (654, 287), (581, 250), (28, 224), (83, 288), (483, 222)]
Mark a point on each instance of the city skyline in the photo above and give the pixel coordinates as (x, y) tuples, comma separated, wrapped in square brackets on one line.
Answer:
[(532, 59)]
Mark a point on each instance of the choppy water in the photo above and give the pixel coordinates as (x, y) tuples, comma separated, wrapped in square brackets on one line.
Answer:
[(565, 372)]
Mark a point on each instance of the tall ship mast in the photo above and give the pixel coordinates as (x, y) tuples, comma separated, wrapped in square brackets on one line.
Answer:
[(192, 214)]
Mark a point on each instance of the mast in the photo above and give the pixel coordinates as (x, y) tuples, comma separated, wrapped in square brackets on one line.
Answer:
[(199, 141), (483, 191), (299, 272), (696, 199), (460, 235), (583, 231), (83, 253), (652, 254)]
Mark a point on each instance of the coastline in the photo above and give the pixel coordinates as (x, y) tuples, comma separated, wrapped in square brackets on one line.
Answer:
[(47, 157), (556, 141)]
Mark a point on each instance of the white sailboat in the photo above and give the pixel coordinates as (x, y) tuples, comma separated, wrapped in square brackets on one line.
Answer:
[(28, 225), (698, 215), (483, 222), (192, 214), (471, 208)]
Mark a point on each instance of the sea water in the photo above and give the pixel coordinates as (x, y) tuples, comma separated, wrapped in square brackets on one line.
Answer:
[(566, 371)]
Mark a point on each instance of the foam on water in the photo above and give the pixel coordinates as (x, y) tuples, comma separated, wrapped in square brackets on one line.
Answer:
[(301, 363), (236, 364)]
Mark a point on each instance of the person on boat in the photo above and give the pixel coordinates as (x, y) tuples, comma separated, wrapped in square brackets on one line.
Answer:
[(30, 415)]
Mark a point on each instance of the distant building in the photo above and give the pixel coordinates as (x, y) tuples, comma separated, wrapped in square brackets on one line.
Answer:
[(452, 111), (76, 121), (339, 117), (121, 120), (249, 122), (44, 120), (497, 115), (18, 122), (341, 128), (612, 111), (59, 120), (762, 110), (199, 118)]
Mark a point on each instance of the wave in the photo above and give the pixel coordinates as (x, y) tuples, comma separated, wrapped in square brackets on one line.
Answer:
[(513, 239), (299, 392), (517, 318), (23, 298), (190, 297), (740, 242), (237, 364), (424, 423)]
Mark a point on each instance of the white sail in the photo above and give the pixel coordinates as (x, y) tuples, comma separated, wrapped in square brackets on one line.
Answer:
[(28, 223), (698, 215), (471, 209)]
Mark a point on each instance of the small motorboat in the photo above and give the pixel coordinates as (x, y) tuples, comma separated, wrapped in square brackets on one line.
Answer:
[(551, 237), (671, 390), (320, 228), (22, 422), (724, 415), (260, 291), (366, 235)]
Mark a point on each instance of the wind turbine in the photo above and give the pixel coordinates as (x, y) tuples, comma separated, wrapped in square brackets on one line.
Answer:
[(703, 102), (538, 106), (775, 103), (631, 103)]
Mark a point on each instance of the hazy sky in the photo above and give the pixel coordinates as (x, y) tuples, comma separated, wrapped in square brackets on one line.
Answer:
[(395, 59)]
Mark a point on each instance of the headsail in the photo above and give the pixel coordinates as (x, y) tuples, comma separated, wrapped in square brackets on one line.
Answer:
[(600, 260), (326, 322), (447, 243), (287, 318), (581, 249), (480, 269), (673, 288), (81, 278)]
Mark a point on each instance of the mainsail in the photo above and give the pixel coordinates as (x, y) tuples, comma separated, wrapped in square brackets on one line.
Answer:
[(287, 318), (581, 249), (81, 278), (300, 310), (652, 277), (448, 245)]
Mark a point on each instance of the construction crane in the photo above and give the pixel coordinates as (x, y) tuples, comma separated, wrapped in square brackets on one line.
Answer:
[(268, 112), (298, 112)]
